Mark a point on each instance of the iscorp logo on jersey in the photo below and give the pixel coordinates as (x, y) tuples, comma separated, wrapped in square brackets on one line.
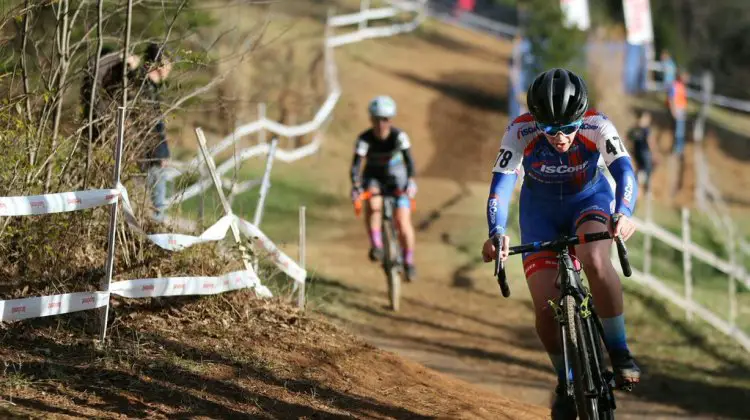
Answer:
[(526, 131), (587, 126), (563, 169), (628, 196), (492, 209)]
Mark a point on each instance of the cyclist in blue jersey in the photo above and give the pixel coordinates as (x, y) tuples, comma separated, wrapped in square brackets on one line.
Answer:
[(389, 169), (558, 144)]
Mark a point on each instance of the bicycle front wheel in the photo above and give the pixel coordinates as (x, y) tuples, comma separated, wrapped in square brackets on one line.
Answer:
[(391, 266), (585, 393)]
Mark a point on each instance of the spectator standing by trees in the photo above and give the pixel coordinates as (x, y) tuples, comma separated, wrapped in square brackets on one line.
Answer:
[(149, 80), (677, 101)]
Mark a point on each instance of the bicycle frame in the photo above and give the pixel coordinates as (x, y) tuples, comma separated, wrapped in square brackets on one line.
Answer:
[(390, 243), (581, 328), (571, 285)]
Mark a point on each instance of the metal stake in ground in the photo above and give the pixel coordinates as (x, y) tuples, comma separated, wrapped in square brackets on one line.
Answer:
[(265, 183), (107, 280)]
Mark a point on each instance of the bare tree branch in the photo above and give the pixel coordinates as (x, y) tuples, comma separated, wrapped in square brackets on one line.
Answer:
[(125, 53), (64, 59), (92, 96)]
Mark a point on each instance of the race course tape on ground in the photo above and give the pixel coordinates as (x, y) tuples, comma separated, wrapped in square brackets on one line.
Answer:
[(41, 306)]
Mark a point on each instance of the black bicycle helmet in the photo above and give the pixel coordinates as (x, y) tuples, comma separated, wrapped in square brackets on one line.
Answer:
[(558, 97)]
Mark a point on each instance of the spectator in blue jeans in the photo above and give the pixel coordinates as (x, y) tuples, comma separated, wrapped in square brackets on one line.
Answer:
[(156, 179), (149, 79)]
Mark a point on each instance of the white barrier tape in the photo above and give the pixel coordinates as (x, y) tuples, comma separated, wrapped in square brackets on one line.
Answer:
[(409, 5), (369, 33), (216, 232), (286, 264), (364, 16), (175, 241), (56, 203), (41, 306), (272, 126), (186, 286), (737, 104), (190, 192), (243, 187)]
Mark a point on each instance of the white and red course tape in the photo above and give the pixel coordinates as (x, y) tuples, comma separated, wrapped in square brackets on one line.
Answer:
[(41, 306)]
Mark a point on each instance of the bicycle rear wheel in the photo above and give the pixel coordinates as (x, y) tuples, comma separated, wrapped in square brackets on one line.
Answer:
[(391, 265), (583, 382)]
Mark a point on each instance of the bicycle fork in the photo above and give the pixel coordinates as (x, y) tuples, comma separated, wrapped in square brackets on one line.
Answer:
[(592, 331), (392, 258)]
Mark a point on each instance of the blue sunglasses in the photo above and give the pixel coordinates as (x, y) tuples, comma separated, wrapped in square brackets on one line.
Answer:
[(566, 129)]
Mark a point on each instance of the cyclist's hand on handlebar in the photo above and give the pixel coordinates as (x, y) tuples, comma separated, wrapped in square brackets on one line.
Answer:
[(622, 226), (411, 188), (356, 192), (489, 250)]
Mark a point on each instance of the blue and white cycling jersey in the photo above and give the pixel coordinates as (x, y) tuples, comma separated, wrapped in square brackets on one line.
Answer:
[(560, 186)]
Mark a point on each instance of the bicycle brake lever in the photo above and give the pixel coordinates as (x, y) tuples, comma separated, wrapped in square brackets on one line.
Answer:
[(502, 280)]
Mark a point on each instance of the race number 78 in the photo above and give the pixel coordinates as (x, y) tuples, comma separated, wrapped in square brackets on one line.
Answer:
[(503, 158)]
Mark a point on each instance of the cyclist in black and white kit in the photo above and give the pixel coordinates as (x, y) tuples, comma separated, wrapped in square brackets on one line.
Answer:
[(389, 168)]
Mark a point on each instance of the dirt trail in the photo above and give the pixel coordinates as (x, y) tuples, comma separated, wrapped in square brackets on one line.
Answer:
[(451, 96)]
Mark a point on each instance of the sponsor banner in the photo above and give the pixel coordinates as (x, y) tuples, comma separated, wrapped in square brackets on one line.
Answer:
[(638, 21), (576, 13)]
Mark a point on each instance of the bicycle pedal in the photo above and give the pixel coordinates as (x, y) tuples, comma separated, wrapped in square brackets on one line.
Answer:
[(627, 386), (609, 377)]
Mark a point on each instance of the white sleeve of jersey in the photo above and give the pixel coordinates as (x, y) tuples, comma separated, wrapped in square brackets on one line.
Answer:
[(609, 143), (362, 147), (510, 156), (403, 141)]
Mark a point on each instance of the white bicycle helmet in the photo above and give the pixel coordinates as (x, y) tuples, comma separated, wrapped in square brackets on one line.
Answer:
[(383, 107)]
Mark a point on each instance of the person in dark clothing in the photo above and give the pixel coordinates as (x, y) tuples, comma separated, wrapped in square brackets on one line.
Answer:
[(108, 83), (148, 79), (644, 148)]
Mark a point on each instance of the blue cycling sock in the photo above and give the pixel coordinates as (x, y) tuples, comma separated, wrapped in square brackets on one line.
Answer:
[(558, 362), (614, 333)]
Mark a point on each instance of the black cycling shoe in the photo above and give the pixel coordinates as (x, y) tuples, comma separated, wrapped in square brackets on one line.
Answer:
[(564, 407), (376, 254), (627, 373), (411, 272)]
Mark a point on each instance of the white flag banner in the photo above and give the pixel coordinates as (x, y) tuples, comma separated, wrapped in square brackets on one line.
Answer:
[(576, 13), (638, 21)]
